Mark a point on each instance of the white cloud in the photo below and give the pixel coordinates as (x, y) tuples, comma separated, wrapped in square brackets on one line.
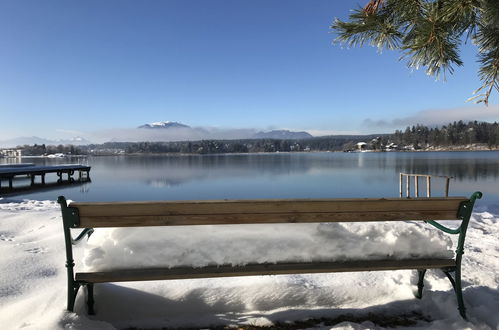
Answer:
[(69, 131), (437, 117), (171, 134), (323, 132)]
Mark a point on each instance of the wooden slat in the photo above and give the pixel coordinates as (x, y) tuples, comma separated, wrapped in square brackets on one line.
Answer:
[(176, 273), (231, 219), (179, 213), (266, 206)]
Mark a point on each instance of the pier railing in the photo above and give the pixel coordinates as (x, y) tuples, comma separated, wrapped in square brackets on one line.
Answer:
[(416, 179)]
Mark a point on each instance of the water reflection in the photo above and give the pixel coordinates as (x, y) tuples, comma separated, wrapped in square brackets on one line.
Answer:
[(279, 175), (460, 169), (48, 187)]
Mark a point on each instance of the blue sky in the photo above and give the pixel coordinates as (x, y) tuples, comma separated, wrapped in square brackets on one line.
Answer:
[(89, 67)]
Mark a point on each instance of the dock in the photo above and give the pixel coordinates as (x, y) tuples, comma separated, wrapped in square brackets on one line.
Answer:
[(38, 188), (16, 165), (32, 171)]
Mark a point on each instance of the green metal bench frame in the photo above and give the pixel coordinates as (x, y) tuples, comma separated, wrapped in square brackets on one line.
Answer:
[(464, 213), (71, 219)]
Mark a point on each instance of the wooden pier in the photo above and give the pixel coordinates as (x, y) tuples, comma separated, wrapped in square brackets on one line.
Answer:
[(9, 172), (16, 165)]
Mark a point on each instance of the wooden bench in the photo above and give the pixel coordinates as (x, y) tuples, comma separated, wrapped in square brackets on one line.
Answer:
[(185, 213)]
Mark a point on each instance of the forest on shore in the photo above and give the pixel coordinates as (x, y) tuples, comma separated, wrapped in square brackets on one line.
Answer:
[(458, 135)]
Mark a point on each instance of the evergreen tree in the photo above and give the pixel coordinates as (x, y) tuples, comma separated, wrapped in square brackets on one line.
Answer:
[(429, 33)]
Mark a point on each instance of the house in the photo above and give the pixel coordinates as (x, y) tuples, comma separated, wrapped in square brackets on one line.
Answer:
[(11, 153), (361, 146), (391, 146)]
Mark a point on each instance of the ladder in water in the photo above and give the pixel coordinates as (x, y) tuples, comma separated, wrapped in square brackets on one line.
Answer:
[(416, 177)]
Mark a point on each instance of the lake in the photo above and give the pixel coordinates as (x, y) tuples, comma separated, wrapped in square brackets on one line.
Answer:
[(276, 175)]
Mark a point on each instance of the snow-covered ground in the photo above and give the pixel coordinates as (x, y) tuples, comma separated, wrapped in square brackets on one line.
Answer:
[(33, 278)]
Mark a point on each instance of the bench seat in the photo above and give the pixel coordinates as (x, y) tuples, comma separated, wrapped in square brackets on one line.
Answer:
[(177, 273)]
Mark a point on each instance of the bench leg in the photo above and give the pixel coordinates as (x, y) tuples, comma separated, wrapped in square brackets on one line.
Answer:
[(459, 294), (421, 273), (456, 284), (90, 299), (72, 292), (73, 286)]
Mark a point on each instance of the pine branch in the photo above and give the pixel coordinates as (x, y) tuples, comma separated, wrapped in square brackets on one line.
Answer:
[(431, 43), (377, 29), (429, 33), (487, 40)]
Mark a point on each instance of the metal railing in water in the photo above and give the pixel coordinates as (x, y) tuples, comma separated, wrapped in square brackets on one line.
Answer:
[(416, 179)]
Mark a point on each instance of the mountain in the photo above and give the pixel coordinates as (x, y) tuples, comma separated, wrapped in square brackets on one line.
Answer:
[(283, 134), (201, 133), (30, 140), (164, 124), (77, 140)]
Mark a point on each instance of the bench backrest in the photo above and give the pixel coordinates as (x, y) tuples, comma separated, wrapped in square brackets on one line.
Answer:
[(181, 213)]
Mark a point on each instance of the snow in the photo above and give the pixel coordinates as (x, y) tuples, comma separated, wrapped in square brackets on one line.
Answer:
[(111, 249), (33, 278), (165, 124)]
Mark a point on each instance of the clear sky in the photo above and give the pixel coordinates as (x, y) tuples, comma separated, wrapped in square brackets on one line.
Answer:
[(79, 67)]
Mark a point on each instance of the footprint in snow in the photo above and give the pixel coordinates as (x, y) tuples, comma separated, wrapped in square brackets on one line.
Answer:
[(6, 238), (36, 250)]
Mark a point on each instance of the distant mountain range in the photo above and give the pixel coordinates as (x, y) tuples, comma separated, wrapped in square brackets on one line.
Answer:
[(274, 134), (166, 131), (30, 140)]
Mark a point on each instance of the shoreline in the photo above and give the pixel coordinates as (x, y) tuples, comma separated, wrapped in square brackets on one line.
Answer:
[(137, 154), (283, 152)]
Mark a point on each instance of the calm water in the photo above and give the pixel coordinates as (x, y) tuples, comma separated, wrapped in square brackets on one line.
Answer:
[(284, 175)]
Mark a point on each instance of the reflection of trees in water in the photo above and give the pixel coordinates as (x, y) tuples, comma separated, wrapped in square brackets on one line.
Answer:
[(175, 170), (199, 166), (165, 182), (461, 169)]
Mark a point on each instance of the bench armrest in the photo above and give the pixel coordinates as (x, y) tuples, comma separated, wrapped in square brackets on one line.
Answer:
[(443, 228), (464, 213), (87, 231)]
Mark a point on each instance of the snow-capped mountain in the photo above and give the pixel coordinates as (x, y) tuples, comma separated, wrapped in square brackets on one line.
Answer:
[(213, 133), (165, 124)]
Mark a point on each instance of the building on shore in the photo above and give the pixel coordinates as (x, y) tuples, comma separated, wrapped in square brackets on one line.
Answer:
[(361, 146), (11, 153)]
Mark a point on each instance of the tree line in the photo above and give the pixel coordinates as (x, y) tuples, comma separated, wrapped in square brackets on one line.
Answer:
[(454, 134), (43, 149), (457, 133), (326, 143)]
